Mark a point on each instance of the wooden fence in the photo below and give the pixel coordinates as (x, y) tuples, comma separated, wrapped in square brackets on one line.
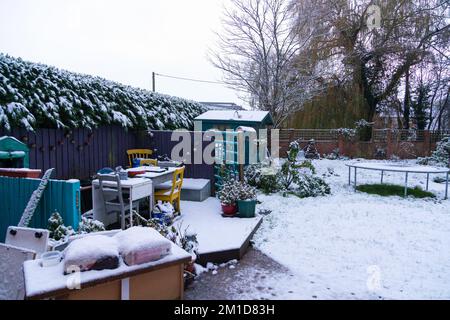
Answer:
[(80, 153), (77, 153), (160, 141)]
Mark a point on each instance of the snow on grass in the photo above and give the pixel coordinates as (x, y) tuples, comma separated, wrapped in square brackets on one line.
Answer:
[(355, 245)]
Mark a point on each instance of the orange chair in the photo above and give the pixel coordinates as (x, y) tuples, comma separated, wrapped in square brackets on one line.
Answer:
[(170, 195), (148, 162), (138, 153)]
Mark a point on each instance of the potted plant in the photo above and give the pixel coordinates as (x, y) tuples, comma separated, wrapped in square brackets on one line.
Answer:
[(228, 196), (246, 200)]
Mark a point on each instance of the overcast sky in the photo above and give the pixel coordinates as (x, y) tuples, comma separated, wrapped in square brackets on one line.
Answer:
[(121, 40)]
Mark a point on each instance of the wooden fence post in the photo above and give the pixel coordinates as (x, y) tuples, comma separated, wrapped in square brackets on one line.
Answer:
[(426, 144), (341, 145), (389, 146)]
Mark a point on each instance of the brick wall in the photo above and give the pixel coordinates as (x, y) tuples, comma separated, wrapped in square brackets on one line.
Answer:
[(400, 143)]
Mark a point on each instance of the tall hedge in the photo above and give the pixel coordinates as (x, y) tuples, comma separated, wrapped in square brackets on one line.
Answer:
[(39, 96)]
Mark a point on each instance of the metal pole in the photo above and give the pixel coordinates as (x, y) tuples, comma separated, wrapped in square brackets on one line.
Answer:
[(382, 173), (355, 177), (428, 178), (406, 184), (446, 188), (131, 209), (349, 175), (154, 82)]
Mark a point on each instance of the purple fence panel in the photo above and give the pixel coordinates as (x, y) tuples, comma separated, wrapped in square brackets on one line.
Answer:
[(80, 153), (161, 142), (76, 153)]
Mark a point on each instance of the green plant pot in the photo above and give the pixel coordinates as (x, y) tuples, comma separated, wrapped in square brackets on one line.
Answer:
[(246, 208)]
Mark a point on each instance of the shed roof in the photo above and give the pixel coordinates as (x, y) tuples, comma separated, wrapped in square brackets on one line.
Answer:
[(236, 115), (221, 106)]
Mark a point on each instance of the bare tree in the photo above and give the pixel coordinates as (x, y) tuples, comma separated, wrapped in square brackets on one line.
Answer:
[(258, 52), (442, 118), (439, 80)]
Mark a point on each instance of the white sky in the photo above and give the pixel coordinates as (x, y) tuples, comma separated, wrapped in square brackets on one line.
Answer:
[(121, 40)]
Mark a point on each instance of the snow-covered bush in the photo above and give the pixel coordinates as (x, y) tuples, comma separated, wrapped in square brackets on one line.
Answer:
[(294, 149), (185, 239), (362, 123), (90, 225), (311, 186), (380, 153), (334, 155), (347, 133), (294, 177), (440, 156), (308, 166), (291, 172), (299, 179), (442, 153), (35, 95), (350, 133), (267, 183), (58, 231)]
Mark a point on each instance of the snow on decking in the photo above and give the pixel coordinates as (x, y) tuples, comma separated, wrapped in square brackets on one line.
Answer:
[(355, 245)]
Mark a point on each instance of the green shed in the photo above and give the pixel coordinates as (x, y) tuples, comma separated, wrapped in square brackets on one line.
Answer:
[(223, 120), (232, 119), (14, 153)]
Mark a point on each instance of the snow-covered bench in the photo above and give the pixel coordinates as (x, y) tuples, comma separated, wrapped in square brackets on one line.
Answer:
[(192, 189)]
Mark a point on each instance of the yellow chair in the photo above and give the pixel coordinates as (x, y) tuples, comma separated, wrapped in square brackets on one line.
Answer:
[(148, 162), (170, 195), (138, 153)]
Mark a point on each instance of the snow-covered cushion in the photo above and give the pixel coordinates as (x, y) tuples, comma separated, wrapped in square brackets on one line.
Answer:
[(96, 252), (139, 245), (188, 184)]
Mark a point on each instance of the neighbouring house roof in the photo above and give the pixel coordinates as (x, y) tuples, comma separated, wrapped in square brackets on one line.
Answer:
[(221, 106), (236, 115)]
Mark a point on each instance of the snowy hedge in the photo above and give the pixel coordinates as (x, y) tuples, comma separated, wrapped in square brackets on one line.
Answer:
[(39, 96)]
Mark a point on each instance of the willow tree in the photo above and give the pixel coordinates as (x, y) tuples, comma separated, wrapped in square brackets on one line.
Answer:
[(375, 44)]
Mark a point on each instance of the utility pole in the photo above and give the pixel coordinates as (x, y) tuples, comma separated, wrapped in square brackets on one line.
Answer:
[(153, 81)]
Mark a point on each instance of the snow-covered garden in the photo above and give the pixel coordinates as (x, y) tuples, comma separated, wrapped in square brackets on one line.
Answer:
[(357, 245), (339, 243)]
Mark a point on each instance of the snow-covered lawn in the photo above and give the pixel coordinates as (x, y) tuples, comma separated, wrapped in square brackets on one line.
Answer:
[(355, 245)]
